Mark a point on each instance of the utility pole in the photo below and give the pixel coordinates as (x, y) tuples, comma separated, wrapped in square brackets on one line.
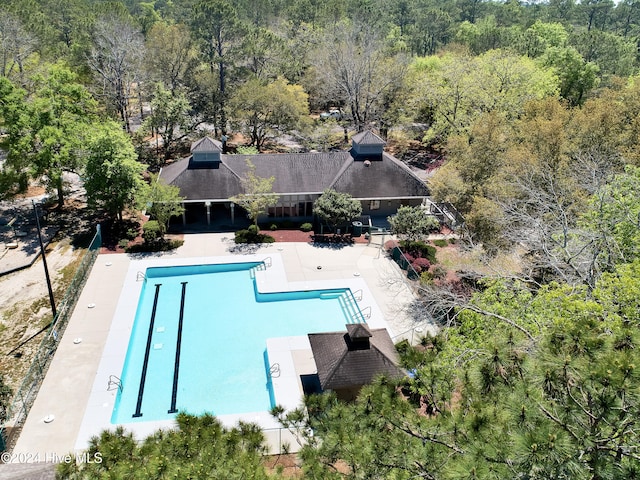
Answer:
[(44, 262)]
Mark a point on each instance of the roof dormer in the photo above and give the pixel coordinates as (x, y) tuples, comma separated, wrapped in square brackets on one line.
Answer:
[(205, 151), (367, 146)]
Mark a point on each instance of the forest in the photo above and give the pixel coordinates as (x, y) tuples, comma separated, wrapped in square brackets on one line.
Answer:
[(528, 116)]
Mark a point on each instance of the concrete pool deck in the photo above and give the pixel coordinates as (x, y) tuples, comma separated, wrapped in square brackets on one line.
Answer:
[(67, 388)]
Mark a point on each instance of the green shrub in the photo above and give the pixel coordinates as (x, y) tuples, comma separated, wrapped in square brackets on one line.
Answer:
[(419, 249), (273, 227), (132, 233), (123, 243), (161, 245), (251, 235), (453, 241), (440, 243), (151, 231), (426, 278), (306, 227)]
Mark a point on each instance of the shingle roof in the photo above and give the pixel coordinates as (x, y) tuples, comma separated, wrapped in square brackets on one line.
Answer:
[(367, 137), (389, 178), (206, 145), (202, 182), (295, 173), (344, 360)]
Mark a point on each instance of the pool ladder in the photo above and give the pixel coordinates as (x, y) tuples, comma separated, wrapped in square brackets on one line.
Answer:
[(274, 370), (114, 382), (140, 276)]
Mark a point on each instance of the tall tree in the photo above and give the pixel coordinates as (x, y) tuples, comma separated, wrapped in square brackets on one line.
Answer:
[(262, 110), (16, 44), (113, 176), (170, 55), (45, 139), (577, 76), (116, 61), (14, 121), (216, 27), (354, 65), (170, 117), (456, 89)]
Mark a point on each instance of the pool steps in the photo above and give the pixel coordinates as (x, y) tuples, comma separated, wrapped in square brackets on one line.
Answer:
[(352, 310)]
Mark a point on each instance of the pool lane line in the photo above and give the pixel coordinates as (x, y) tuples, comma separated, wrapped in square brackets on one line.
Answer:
[(145, 363), (176, 368)]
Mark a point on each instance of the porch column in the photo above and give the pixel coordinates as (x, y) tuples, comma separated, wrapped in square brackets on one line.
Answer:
[(208, 205), (232, 212), (184, 214)]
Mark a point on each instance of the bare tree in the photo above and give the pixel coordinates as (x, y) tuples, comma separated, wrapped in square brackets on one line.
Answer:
[(352, 64), (116, 60), (16, 44), (544, 218)]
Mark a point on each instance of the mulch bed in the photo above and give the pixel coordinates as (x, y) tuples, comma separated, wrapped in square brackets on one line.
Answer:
[(310, 237), (278, 235)]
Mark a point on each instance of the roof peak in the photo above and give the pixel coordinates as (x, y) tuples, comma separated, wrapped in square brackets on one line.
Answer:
[(206, 145), (367, 137)]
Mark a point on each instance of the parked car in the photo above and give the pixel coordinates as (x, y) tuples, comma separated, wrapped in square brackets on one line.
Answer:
[(335, 114)]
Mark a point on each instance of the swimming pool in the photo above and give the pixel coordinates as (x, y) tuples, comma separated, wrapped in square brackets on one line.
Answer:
[(199, 335)]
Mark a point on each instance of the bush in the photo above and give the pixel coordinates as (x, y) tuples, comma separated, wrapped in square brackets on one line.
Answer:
[(420, 265), (426, 278), (306, 227), (439, 272), (151, 231), (251, 235), (132, 233), (273, 227), (419, 249), (123, 243), (160, 245), (440, 243)]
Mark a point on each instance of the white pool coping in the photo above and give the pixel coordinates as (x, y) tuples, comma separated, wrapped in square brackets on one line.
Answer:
[(287, 388)]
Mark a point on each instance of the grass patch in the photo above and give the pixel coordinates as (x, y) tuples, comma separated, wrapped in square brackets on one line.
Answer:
[(441, 243)]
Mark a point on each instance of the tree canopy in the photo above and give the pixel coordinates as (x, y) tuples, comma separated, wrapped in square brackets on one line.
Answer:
[(113, 176), (336, 209), (258, 193)]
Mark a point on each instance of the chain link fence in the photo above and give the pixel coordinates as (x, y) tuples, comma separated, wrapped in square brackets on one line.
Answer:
[(26, 393)]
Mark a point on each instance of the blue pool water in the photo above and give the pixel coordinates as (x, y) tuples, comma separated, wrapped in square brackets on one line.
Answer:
[(225, 324)]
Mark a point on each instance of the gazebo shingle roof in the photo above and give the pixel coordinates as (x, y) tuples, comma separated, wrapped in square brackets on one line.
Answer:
[(354, 358)]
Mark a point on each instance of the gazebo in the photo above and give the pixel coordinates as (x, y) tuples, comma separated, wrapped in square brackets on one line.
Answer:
[(346, 361)]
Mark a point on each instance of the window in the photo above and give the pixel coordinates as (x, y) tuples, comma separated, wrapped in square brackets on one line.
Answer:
[(374, 205)]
